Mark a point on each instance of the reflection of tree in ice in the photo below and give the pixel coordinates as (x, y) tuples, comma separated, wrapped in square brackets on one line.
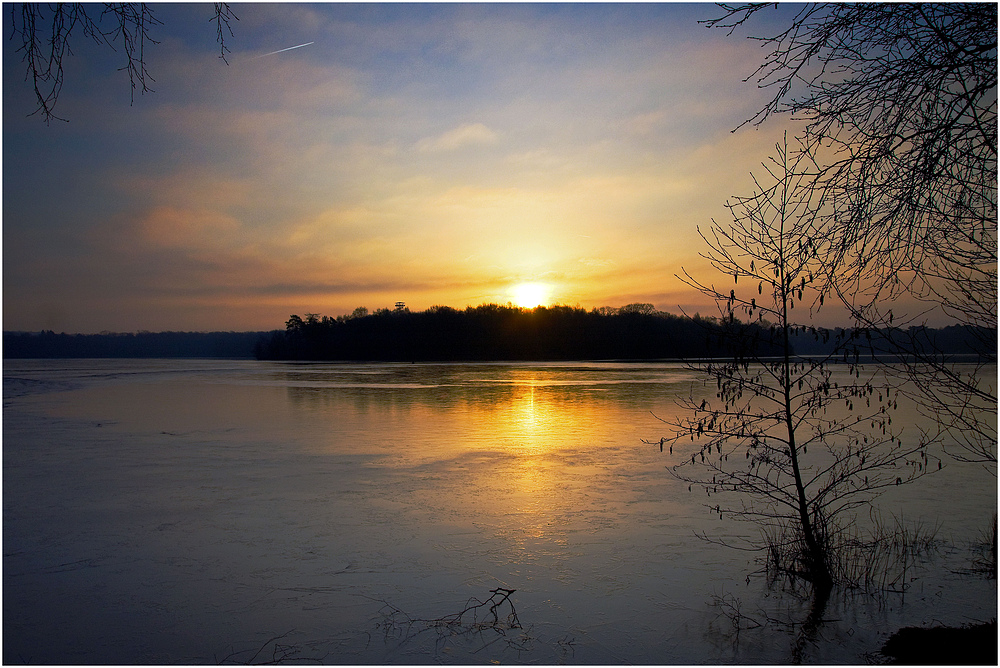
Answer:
[(279, 653), (481, 620), (478, 626)]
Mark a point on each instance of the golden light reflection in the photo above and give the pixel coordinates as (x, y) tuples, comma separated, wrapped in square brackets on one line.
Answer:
[(533, 459), (526, 415), (542, 489)]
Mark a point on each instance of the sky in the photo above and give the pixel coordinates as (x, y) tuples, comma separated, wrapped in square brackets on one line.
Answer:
[(441, 154)]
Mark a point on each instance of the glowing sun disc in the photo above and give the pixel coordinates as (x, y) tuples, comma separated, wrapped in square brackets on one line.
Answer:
[(530, 295)]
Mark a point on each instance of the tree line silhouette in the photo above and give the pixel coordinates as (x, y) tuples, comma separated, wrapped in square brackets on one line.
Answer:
[(48, 344), (493, 332), (488, 332)]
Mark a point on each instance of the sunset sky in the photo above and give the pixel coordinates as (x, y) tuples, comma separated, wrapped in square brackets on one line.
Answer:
[(430, 154)]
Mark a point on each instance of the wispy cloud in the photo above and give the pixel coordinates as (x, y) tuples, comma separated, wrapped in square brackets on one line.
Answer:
[(469, 134)]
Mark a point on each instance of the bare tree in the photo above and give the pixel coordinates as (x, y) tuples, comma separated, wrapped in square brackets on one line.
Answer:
[(45, 31), (797, 448), (898, 105)]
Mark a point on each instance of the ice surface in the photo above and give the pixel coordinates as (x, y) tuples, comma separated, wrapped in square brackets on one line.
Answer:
[(179, 511)]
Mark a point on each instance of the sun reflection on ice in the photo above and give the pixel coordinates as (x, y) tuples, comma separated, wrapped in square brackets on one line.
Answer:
[(526, 415), (541, 484)]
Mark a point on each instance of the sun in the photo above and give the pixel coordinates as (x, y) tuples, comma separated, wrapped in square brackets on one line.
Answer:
[(530, 295)]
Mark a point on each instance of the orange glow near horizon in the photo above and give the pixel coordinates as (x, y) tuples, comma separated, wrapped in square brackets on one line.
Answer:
[(432, 187)]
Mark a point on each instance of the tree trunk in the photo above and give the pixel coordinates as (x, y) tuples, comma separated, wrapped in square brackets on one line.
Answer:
[(817, 568)]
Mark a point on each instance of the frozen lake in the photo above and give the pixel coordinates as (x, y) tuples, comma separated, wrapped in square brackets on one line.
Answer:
[(189, 511)]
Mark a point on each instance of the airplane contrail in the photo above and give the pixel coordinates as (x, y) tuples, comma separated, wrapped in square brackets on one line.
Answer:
[(282, 50)]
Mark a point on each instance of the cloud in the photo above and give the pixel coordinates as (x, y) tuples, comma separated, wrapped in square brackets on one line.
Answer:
[(430, 154), (596, 262), (469, 134)]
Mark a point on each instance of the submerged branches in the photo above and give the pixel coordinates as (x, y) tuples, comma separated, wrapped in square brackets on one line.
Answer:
[(280, 653), (496, 614), (872, 561)]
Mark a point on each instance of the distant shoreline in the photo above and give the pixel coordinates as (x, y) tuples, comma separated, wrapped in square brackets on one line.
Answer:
[(250, 345), (166, 345)]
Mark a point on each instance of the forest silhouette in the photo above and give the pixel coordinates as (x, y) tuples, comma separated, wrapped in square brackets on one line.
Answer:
[(492, 332), (488, 332)]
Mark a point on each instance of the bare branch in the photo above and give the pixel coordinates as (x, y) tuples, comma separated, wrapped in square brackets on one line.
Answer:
[(45, 32), (898, 105)]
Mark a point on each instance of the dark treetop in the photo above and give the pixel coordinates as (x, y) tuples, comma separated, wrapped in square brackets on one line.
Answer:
[(483, 333)]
